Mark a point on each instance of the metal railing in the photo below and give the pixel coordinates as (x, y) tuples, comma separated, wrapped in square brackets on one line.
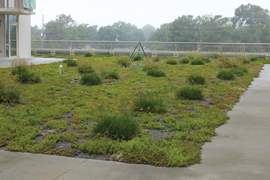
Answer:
[(151, 48), (14, 4)]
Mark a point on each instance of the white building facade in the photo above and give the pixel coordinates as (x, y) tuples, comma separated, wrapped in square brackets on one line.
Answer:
[(15, 28)]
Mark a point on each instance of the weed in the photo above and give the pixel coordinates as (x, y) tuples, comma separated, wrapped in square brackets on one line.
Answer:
[(189, 92), (225, 75), (149, 102), (156, 73), (116, 127), (90, 79), (196, 79)]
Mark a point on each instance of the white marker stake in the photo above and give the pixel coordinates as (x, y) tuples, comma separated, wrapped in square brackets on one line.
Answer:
[(60, 68)]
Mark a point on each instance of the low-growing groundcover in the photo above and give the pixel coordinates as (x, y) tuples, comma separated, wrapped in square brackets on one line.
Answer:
[(168, 130)]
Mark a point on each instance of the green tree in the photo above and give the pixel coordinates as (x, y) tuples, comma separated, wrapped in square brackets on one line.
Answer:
[(36, 33), (61, 28), (215, 28), (184, 29), (161, 34), (148, 30), (251, 15)]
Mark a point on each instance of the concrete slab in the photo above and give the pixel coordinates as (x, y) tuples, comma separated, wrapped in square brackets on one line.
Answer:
[(6, 63), (241, 150)]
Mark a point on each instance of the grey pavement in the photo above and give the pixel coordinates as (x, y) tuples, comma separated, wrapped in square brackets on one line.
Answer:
[(240, 151), (6, 63)]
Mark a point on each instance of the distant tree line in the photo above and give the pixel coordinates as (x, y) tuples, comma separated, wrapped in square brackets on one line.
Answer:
[(250, 24), (65, 28)]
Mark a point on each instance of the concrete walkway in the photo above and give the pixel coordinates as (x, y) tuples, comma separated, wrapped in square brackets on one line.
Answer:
[(6, 63), (240, 151)]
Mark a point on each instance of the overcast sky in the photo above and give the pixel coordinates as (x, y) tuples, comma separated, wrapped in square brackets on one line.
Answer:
[(137, 12)]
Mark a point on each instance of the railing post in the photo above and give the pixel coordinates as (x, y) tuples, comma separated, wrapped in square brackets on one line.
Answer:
[(268, 50), (244, 50), (111, 47)]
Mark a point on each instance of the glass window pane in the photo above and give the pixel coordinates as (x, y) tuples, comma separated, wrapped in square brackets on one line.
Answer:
[(13, 40), (7, 51), (6, 28), (13, 18)]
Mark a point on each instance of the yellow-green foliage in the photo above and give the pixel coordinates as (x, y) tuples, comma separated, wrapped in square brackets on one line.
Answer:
[(184, 127)]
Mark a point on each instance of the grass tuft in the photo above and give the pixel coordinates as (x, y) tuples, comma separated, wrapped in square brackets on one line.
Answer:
[(156, 73), (85, 68), (88, 54), (190, 92), (172, 62), (29, 77), (197, 62), (112, 75), (184, 60), (90, 79), (121, 127), (196, 79), (226, 75), (149, 102)]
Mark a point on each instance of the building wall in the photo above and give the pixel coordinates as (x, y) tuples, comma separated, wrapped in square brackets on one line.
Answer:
[(2, 37), (24, 36)]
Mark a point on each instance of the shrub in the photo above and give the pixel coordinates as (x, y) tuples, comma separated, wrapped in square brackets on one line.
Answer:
[(121, 127), (239, 71), (156, 73), (88, 54), (19, 70), (189, 92), (253, 59), (225, 75), (9, 96), (196, 79), (171, 62), (112, 75), (85, 68), (197, 62), (184, 60), (29, 77), (149, 102), (123, 61), (90, 79), (155, 59)]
